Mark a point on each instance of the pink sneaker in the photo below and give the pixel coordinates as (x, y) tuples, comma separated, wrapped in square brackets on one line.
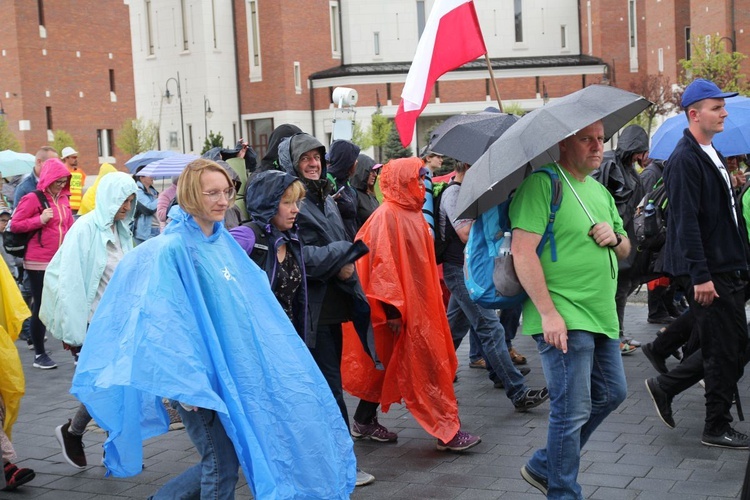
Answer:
[(374, 431), (461, 441)]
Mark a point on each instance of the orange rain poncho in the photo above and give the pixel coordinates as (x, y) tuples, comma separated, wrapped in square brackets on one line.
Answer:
[(420, 362)]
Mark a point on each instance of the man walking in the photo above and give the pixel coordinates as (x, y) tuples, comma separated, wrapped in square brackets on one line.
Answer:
[(572, 313), (77, 177), (706, 255)]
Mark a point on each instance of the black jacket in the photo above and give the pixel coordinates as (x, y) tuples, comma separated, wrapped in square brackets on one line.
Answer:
[(702, 237)]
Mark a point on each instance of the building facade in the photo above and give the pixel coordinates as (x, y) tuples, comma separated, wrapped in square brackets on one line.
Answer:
[(67, 66)]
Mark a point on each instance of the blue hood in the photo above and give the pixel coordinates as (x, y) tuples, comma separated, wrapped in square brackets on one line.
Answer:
[(264, 194)]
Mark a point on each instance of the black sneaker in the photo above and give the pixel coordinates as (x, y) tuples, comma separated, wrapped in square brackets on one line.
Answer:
[(534, 479), (531, 399), (525, 370), (662, 402), (730, 439), (71, 446), (44, 362), (657, 362)]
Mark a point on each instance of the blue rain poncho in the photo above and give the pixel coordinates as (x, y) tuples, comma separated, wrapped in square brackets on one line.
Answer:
[(191, 318)]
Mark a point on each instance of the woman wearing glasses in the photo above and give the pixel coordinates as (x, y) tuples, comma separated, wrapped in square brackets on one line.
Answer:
[(206, 332), (49, 226)]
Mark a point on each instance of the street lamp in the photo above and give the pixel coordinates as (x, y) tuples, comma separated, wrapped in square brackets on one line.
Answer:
[(168, 96), (545, 95), (207, 113), (731, 40)]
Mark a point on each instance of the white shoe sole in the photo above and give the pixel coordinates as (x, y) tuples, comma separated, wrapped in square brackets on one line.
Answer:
[(58, 435)]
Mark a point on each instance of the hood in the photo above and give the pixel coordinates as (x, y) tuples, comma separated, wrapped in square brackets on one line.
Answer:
[(633, 139), (88, 201), (111, 193), (279, 133), (264, 194), (400, 183), (341, 157), (52, 170), (362, 173), (290, 151)]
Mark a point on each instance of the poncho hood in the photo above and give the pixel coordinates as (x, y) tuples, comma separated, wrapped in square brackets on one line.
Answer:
[(264, 194), (400, 183), (111, 193)]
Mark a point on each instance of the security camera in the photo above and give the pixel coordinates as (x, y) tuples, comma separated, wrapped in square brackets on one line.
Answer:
[(344, 96)]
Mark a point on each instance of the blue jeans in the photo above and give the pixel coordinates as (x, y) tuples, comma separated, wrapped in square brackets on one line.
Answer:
[(585, 385), (488, 329), (216, 475)]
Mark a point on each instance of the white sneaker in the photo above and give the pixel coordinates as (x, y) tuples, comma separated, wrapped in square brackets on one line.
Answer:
[(363, 478)]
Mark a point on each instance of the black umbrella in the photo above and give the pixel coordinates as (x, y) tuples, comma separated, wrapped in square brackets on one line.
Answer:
[(532, 142), (466, 137)]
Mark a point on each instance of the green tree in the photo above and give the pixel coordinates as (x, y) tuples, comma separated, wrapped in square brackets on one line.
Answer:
[(376, 135), (393, 148), (710, 59), (213, 141), (514, 108), (136, 136), (7, 139), (61, 139)]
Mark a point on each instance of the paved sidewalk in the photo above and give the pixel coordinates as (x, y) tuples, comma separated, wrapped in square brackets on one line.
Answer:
[(632, 455)]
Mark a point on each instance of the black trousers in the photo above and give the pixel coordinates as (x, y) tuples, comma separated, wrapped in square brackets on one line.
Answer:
[(327, 354), (722, 331), (36, 278)]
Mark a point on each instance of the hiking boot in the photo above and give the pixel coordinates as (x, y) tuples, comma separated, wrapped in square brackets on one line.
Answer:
[(534, 479), (658, 362), (662, 402), (363, 478), (531, 399), (480, 363), (663, 319), (462, 441), (525, 370), (15, 477), (71, 446), (374, 430), (729, 439), (44, 362), (516, 357)]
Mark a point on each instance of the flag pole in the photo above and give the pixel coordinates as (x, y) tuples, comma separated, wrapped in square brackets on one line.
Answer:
[(494, 83)]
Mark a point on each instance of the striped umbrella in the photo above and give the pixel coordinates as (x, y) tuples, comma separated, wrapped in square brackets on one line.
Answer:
[(145, 158), (168, 167)]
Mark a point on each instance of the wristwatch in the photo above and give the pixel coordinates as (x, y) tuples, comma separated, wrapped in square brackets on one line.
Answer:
[(619, 240)]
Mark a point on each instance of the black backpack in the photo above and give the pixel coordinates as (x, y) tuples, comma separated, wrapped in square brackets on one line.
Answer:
[(16, 243), (650, 224), (441, 242), (261, 245)]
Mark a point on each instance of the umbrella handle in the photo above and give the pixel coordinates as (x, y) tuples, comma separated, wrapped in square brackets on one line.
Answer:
[(588, 214)]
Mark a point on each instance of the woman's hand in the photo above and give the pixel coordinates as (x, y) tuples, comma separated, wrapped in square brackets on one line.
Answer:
[(346, 272), (46, 215)]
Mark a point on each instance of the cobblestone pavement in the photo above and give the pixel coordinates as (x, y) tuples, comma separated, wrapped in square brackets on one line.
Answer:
[(632, 455)]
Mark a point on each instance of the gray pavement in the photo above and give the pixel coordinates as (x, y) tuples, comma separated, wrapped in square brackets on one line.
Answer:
[(632, 455)]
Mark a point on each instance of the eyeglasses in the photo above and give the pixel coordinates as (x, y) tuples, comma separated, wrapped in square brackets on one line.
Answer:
[(61, 182), (214, 196)]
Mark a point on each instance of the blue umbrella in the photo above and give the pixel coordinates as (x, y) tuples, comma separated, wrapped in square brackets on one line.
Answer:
[(145, 158), (168, 167), (12, 163), (734, 140)]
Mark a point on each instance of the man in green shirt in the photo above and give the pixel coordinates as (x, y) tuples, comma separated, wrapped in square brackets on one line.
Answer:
[(571, 312)]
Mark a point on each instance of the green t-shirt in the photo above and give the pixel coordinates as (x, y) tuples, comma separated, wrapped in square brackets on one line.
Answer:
[(581, 281)]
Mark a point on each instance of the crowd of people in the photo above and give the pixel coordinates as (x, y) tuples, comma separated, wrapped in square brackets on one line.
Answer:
[(329, 283)]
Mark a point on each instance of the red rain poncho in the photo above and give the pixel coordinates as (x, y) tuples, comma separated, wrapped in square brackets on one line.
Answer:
[(420, 362)]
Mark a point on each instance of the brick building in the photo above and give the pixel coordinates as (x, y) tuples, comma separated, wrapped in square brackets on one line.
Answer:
[(67, 66)]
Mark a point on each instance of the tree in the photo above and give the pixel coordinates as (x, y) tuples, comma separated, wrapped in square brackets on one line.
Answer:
[(7, 139), (136, 136), (375, 136), (213, 141), (658, 90), (61, 139), (393, 148), (710, 60)]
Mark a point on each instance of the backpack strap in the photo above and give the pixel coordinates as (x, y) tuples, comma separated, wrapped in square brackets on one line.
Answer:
[(45, 205), (554, 206), (260, 244)]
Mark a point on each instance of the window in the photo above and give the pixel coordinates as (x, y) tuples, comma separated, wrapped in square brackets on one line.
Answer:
[(183, 8), (687, 43), (213, 22), (48, 111), (40, 11), (661, 60), (111, 80), (633, 36), (253, 37), (376, 42), (420, 18), (335, 29), (297, 78), (260, 130), (563, 36), (173, 142), (104, 142), (190, 136), (518, 16), (256, 44), (149, 28)]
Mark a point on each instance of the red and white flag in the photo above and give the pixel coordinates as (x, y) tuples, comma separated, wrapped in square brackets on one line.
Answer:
[(452, 37)]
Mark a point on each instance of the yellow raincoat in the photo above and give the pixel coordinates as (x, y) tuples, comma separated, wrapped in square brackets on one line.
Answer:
[(89, 197), (13, 311)]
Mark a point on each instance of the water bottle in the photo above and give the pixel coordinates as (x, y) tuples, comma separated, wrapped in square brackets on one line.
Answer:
[(505, 245), (650, 225)]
